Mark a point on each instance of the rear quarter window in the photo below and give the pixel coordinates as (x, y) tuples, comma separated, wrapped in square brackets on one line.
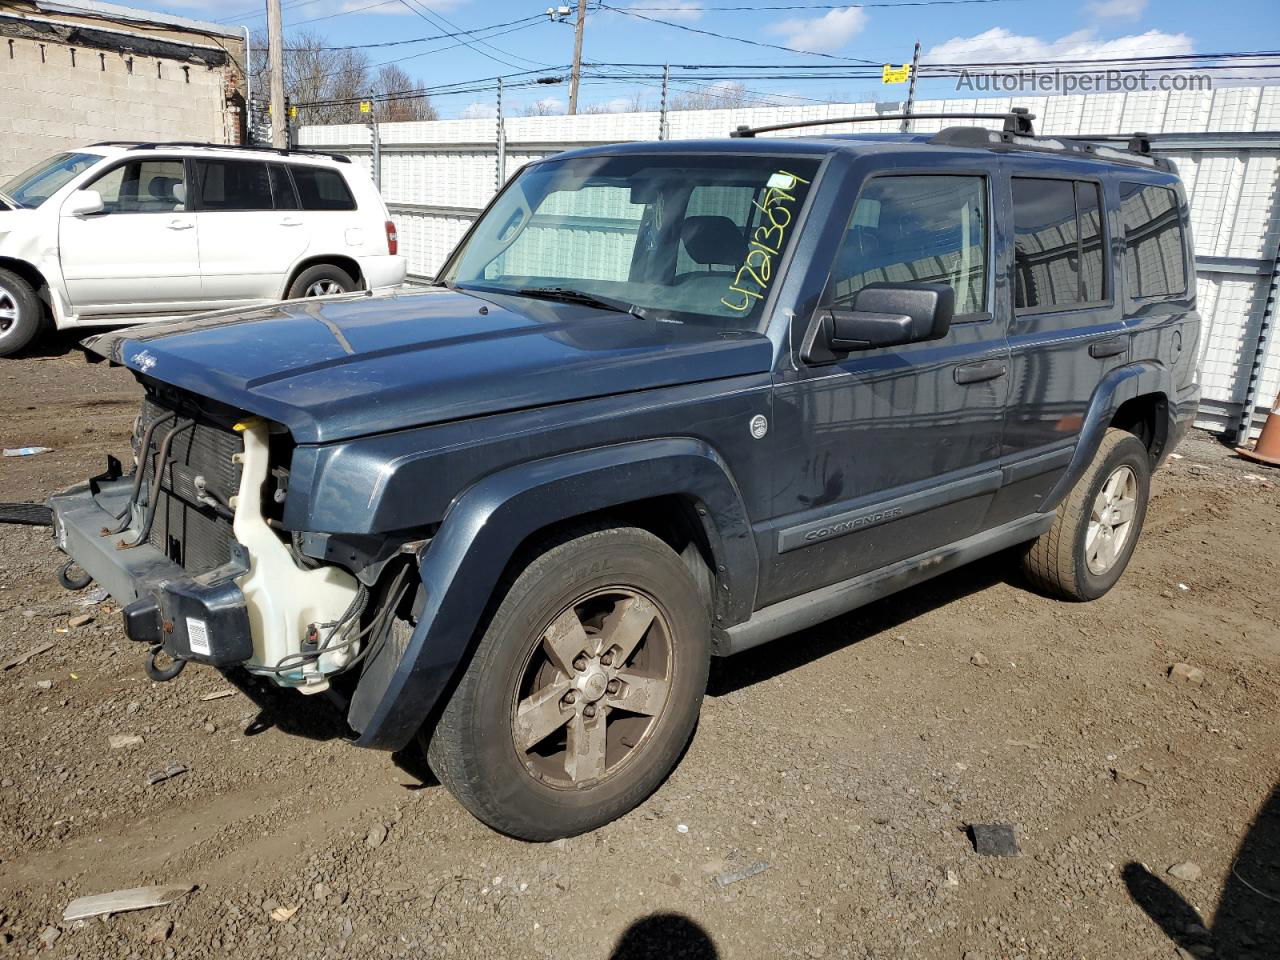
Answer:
[(320, 188), (1155, 263)]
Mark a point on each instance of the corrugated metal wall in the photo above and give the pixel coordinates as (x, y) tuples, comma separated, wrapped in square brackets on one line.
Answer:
[(436, 177)]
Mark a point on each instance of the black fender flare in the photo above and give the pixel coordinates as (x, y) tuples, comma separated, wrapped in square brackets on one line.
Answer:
[(487, 523), (1118, 387)]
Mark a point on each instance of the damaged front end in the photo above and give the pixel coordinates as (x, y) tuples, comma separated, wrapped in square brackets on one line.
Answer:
[(191, 545)]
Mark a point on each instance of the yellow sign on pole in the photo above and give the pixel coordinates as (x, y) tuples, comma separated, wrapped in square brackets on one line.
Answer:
[(892, 74), (293, 113), (366, 106)]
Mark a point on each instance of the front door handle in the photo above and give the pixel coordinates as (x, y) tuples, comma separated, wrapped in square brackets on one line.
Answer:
[(291, 222), (981, 371), (176, 224), (1110, 347)]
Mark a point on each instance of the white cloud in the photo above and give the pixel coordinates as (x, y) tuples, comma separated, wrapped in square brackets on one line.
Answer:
[(999, 44), (1118, 9), (687, 10), (823, 34), (479, 110)]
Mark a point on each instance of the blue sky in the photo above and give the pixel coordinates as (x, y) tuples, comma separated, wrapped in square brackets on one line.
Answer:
[(997, 30)]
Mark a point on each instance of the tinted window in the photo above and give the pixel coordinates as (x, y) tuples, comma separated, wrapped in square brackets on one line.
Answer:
[(282, 188), (1060, 240), (233, 185), (143, 186), (1154, 256), (322, 189), (916, 229)]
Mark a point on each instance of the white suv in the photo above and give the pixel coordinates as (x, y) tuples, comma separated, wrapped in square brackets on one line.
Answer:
[(130, 232)]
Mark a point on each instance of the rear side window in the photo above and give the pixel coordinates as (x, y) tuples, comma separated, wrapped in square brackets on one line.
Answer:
[(1155, 263), (1059, 242), (233, 185), (282, 188), (916, 229), (322, 189)]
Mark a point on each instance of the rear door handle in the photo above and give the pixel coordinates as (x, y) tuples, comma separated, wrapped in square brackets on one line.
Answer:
[(176, 224), (291, 222), (981, 371), (1110, 347)]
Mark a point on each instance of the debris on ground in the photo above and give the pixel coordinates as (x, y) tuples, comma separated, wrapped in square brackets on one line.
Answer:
[(168, 773), (994, 839), (118, 741), (159, 931), (979, 659), (281, 914), (377, 834), (725, 879), (1186, 673), (1188, 871), (26, 451), (218, 695), (81, 620), (22, 658), (122, 901), (49, 936), (93, 597)]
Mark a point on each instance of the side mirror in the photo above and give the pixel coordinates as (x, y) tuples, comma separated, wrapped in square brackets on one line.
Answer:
[(83, 203), (882, 315)]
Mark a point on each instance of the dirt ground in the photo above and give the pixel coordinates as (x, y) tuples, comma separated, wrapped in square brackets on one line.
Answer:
[(841, 768)]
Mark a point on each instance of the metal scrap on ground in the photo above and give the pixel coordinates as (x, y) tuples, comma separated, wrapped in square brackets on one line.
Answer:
[(122, 901), (24, 657)]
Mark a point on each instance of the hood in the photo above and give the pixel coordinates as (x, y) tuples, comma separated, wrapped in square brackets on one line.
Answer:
[(335, 369)]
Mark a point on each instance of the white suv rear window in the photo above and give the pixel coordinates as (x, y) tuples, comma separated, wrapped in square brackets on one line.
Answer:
[(322, 189)]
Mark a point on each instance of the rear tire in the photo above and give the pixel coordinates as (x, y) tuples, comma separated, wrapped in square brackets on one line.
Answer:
[(324, 279), (1097, 526), (22, 316), (584, 690)]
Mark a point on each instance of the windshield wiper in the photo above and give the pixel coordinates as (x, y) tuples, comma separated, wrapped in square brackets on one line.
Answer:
[(569, 295)]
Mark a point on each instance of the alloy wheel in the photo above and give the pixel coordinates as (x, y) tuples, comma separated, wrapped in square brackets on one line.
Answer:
[(8, 312), (323, 288), (593, 689), (1111, 520)]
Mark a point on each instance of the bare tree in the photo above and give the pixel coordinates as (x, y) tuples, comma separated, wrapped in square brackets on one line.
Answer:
[(719, 96), (391, 79), (549, 107), (316, 75)]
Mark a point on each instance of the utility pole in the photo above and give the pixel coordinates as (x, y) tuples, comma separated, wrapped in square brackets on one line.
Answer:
[(501, 141), (663, 130), (275, 61), (911, 90), (577, 57)]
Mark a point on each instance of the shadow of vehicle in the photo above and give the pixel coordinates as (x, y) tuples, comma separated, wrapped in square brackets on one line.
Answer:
[(57, 343), (765, 662), (1246, 925), (664, 936)]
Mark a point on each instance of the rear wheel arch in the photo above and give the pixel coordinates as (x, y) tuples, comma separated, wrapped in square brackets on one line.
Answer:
[(1146, 416), (348, 265)]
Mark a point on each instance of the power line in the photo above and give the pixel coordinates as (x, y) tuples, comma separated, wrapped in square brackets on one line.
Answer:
[(426, 13), (722, 36), (822, 6), (438, 36)]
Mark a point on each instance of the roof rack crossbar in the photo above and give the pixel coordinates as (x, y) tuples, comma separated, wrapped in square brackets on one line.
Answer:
[(1017, 120), (162, 144)]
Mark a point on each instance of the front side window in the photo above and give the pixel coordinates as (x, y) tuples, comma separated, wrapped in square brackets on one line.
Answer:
[(916, 229), (690, 239), (320, 188), (34, 186), (1059, 243), (233, 185), (143, 186), (1155, 263)]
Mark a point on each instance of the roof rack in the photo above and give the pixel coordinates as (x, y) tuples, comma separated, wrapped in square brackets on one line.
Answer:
[(160, 145), (1136, 149), (1017, 120)]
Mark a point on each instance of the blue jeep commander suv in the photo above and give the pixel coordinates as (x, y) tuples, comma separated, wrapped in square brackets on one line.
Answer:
[(664, 401)]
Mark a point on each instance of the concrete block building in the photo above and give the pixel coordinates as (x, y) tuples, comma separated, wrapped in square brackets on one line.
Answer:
[(80, 71)]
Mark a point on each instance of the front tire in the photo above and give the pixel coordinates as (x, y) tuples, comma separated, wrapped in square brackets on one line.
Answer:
[(1097, 526), (584, 689), (22, 317), (322, 280)]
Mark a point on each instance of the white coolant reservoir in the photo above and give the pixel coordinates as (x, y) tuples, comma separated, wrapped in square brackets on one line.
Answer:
[(283, 599)]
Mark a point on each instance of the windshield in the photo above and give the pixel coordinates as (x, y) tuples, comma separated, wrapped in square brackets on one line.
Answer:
[(34, 186), (688, 239)]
